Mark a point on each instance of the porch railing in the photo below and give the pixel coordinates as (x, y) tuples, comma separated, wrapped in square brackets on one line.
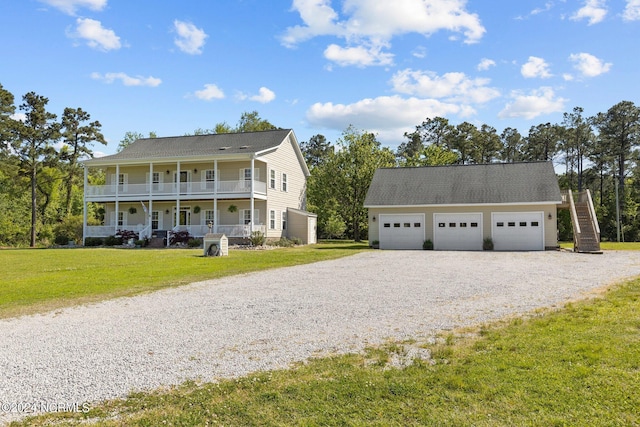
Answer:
[(234, 230), (173, 189)]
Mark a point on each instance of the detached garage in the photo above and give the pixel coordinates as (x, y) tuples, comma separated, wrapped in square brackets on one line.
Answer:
[(458, 207)]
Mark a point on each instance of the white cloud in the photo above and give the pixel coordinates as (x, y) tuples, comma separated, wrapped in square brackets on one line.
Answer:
[(567, 77), (264, 96), (70, 6), (359, 56), (210, 91), (190, 38), (95, 35), (388, 116), (127, 80), (368, 27), (535, 67), (632, 11), (536, 103), (485, 64), (454, 87), (593, 10), (588, 65)]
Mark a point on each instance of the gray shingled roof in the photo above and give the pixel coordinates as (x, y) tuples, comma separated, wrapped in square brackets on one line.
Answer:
[(464, 184), (198, 145)]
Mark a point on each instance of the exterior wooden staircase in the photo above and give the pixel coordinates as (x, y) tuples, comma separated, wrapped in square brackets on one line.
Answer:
[(586, 231)]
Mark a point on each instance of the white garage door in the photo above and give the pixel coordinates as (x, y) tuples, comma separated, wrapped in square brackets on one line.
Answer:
[(457, 232), (401, 231), (517, 231)]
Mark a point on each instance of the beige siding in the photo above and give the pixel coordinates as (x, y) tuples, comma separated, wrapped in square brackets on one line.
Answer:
[(550, 225), (284, 160)]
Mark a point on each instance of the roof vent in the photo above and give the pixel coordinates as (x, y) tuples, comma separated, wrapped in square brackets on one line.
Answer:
[(224, 148), (243, 147)]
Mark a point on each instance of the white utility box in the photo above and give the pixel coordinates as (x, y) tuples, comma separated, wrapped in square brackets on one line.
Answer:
[(216, 244)]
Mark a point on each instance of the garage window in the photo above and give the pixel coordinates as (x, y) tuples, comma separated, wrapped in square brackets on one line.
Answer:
[(463, 224), (387, 225), (474, 224), (417, 225), (500, 224), (534, 223), (452, 225), (407, 225), (441, 224), (523, 223), (512, 224), (396, 225)]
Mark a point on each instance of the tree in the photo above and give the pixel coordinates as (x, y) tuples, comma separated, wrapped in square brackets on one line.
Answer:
[(32, 144), (131, 137), (431, 155), (511, 145), (577, 141), (350, 172), (461, 141), (251, 122), (619, 129), (486, 145), (316, 151), (435, 131), (6, 111), (78, 137), (542, 142)]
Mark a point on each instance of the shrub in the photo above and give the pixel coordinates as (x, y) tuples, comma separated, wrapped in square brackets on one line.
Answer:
[(487, 244), (67, 230), (427, 245), (126, 235), (283, 242), (194, 243), (93, 241), (142, 243), (257, 238), (179, 237), (112, 241), (296, 240)]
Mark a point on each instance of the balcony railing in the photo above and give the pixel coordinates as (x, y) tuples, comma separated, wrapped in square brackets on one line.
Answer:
[(173, 189)]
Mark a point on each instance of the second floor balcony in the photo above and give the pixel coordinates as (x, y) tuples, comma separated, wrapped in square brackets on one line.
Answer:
[(165, 191)]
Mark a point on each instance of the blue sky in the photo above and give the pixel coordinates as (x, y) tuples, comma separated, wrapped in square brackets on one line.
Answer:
[(318, 66)]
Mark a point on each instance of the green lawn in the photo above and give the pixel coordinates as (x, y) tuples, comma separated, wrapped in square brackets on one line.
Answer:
[(36, 280), (579, 366), (609, 246)]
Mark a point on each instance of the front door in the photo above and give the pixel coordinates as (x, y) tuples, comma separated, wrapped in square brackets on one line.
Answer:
[(184, 218)]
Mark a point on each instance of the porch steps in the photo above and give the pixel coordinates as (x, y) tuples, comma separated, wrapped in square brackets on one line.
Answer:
[(156, 242)]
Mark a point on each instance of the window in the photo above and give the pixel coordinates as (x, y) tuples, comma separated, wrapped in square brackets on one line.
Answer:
[(500, 224), (511, 224), (246, 216), (272, 179), (155, 223), (155, 180), (463, 225), (474, 224), (452, 225), (120, 219), (523, 223), (387, 225), (208, 179), (209, 217), (396, 225), (441, 224), (284, 220), (284, 182), (534, 223), (272, 220), (407, 225), (417, 225)]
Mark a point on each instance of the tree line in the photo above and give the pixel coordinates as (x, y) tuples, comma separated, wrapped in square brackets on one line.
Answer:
[(599, 153), (41, 185)]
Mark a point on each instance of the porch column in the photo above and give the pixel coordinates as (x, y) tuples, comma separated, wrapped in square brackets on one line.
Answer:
[(178, 184), (84, 204), (253, 220), (149, 213), (117, 201), (215, 195)]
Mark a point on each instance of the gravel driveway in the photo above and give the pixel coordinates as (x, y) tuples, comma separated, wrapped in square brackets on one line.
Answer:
[(233, 326)]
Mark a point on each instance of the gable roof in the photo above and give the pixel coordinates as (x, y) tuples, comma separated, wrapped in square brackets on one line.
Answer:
[(197, 146), (494, 183)]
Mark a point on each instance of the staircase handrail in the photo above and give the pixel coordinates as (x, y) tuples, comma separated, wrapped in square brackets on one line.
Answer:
[(574, 222), (592, 211)]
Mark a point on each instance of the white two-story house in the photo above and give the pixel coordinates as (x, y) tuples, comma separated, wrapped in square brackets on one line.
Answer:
[(232, 183)]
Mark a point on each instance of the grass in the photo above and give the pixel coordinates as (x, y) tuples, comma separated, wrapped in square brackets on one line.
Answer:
[(37, 280), (609, 246), (575, 366)]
